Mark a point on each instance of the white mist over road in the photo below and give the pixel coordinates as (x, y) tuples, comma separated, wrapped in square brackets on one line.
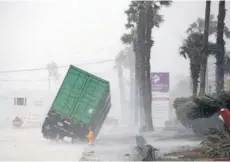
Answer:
[(113, 143), (28, 144)]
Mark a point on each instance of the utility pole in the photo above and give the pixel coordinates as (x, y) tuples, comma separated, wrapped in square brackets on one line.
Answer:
[(52, 69), (121, 82)]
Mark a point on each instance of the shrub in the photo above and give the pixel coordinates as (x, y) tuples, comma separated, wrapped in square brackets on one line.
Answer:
[(217, 145)]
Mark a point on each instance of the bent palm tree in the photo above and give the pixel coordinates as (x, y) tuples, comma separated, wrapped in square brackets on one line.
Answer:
[(119, 64), (191, 49), (53, 72), (199, 25), (142, 17)]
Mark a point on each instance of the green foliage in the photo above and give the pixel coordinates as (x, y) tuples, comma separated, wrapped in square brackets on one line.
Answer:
[(201, 107), (191, 49), (129, 38), (217, 145), (198, 26), (181, 100), (192, 46), (53, 70), (142, 16), (123, 58), (133, 16)]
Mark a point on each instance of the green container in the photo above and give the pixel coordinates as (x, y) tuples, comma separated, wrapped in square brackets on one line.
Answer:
[(83, 98), (80, 95)]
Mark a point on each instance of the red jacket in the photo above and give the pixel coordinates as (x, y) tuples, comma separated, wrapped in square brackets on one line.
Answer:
[(225, 117)]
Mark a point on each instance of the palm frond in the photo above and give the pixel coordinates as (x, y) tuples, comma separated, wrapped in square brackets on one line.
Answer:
[(227, 64), (212, 48), (129, 25), (183, 52), (227, 32), (127, 38), (157, 20), (198, 26), (191, 27), (165, 3)]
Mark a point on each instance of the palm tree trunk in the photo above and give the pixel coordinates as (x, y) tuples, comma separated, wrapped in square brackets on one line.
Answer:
[(147, 67), (195, 86), (140, 60), (205, 49), (148, 99), (137, 82), (132, 87), (194, 70), (220, 54), (49, 82), (121, 86)]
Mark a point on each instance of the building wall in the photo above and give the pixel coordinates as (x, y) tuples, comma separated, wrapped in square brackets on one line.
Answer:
[(9, 109)]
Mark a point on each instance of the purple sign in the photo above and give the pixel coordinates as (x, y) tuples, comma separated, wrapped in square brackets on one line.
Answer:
[(160, 82)]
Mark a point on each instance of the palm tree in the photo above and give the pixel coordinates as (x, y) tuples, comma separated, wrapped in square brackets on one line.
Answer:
[(125, 60), (205, 49), (119, 64), (142, 17), (199, 25), (220, 54), (52, 72), (191, 49)]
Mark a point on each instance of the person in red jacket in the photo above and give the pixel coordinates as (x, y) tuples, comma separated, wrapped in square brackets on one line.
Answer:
[(225, 117)]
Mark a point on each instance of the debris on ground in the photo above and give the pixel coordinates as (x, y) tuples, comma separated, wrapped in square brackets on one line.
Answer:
[(143, 151), (217, 145)]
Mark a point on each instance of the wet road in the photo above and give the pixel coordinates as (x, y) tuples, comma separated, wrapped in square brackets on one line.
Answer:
[(115, 144), (28, 144), (112, 144)]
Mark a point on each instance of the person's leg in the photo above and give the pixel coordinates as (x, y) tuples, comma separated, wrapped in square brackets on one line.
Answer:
[(92, 140)]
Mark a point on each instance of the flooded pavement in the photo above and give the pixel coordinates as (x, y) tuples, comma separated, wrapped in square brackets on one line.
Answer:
[(119, 143), (28, 144), (112, 144)]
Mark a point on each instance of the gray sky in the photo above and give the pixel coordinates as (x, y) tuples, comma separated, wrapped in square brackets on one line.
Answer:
[(34, 33)]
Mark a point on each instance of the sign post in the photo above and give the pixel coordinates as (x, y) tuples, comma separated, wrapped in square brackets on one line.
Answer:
[(160, 98)]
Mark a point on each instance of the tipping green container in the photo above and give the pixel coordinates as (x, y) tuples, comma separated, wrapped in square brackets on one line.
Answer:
[(83, 100)]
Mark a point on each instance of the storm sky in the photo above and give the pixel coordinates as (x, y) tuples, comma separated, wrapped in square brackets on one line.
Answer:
[(34, 33)]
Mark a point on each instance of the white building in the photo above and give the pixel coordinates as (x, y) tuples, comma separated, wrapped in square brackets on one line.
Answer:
[(25, 102)]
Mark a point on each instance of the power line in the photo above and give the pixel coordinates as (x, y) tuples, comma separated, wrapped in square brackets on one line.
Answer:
[(65, 66), (42, 80), (5, 80)]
